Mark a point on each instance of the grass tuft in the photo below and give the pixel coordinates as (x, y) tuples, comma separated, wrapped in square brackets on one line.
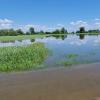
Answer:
[(22, 58), (70, 56)]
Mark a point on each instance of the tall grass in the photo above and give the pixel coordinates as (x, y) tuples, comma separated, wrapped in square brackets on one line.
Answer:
[(22, 58)]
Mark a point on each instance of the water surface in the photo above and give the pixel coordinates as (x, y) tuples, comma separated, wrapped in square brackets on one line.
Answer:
[(66, 49), (86, 47), (81, 83)]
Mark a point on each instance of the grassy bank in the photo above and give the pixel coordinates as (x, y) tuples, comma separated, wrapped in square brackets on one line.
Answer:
[(20, 37), (22, 58)]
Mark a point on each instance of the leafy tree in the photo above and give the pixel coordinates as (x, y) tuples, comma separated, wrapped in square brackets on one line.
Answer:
[(94, 31), (19, 32), (48, 32), (12, 32), (28, 33), (31, 30), (82, 30), (56, 32), (63, 31), (3, 32), (41, 32)]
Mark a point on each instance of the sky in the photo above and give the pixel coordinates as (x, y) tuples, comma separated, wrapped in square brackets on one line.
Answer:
[(49, 14)]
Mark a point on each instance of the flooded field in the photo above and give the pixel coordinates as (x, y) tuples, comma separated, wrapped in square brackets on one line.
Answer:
[(65, 50), (56, 81), (79, 83)]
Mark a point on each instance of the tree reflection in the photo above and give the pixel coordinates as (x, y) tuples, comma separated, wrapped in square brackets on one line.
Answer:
[(82, 36)]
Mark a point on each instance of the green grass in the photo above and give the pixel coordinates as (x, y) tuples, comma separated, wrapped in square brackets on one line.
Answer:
[(70, 56), (69, 63), (22, 58), (71, 60), (20, 37), (23, 37)]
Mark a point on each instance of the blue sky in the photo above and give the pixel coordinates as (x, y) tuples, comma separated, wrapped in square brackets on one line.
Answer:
[(51, 13)]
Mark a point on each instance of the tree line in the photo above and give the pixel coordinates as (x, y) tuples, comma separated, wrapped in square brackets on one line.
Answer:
[(82, 30), (12, 32)]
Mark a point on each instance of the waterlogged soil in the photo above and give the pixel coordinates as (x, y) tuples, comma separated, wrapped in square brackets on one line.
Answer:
[(80, 82)]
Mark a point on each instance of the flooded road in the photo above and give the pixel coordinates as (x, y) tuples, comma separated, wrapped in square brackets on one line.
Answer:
[(79, 83)]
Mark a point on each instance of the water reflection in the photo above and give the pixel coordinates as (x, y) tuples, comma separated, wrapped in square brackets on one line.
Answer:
[(63, 37), (87, 47), (76, 40), (81, 36), (15, 43), (32, 40)]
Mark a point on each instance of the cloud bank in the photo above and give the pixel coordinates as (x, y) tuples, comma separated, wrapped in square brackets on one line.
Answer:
[(72, 26), (5, 23)]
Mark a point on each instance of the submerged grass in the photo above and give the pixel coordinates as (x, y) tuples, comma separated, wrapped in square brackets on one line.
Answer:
[(22, 58), (69, 63), (70, 56)]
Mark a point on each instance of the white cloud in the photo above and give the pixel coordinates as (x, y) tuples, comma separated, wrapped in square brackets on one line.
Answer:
[(36, 27), (72, 26), (97, 19), (60, 25), (5, 23), (79, 23), (41, 27), (93, 24), (97, 23)]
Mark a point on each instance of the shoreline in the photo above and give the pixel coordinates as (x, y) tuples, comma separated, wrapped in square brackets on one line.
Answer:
[(43, 69)]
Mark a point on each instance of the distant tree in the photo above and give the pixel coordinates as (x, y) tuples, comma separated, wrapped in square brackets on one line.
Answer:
[(31, 30), (57, 31), (63, 31), (11, 32), (42, 32), (19, 32), (28, 33), (2, 32), (94, 31), (77, 31), (73, 32), (82, 30), (48, 32)]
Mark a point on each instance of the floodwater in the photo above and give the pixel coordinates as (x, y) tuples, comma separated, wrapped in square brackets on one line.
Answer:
[(15, 43), (65, 49), (72, 49), (79, 83)]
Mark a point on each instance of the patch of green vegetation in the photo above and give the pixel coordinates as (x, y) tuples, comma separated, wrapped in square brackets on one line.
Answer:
[(69, 63), (70, 56), (22, 58), (74, 62), (19, 37), (24, 37)]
